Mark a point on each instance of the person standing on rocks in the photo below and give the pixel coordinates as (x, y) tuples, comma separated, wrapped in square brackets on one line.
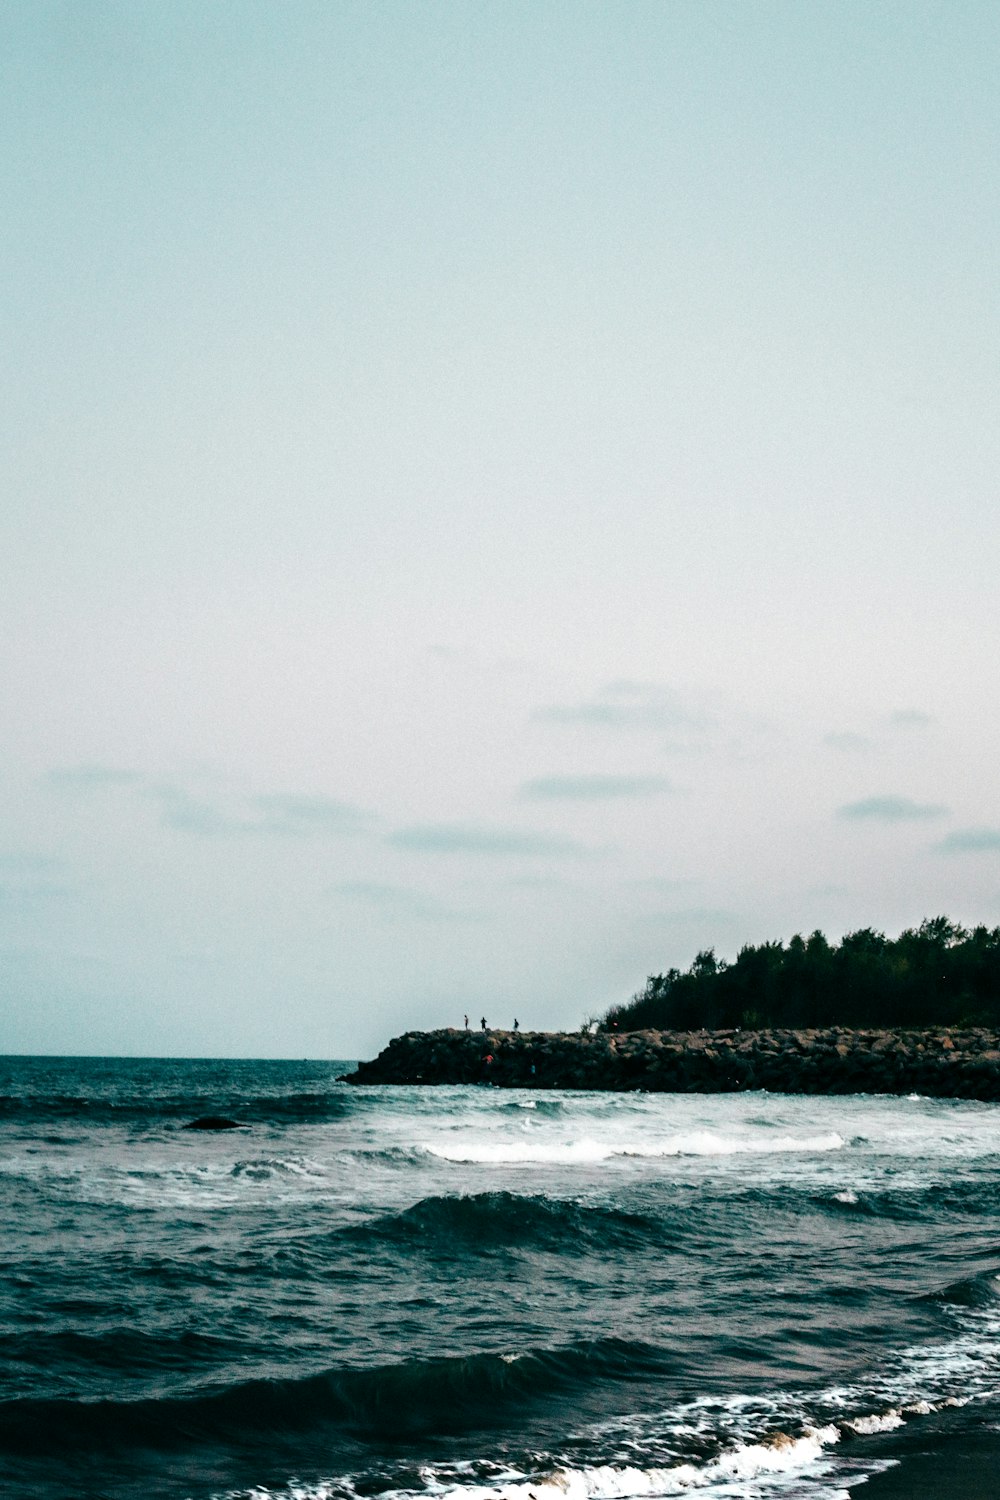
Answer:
[(482, 1022)]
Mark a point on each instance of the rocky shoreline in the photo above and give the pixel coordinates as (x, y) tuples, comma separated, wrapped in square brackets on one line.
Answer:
[(940, 1063)]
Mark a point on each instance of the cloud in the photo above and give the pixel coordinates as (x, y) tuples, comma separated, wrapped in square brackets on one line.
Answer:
[(910, 718), (661, 883), (698, 916), (971, 841), (642, 716), (44, 894), (276, 813), (294, 812), (626, 705), (458, 838), (402, 903), (27, 863), (593, 788), (91, 778), (890, 810), (27, 884), (187, 814), (219, 814), (848, 741)]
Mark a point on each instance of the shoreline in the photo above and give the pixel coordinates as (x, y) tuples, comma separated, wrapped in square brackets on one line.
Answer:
[(941, 1062), (944, 1457)]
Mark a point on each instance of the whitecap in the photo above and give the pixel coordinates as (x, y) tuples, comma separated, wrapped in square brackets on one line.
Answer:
[(513, 1153), (777, 1455), (708, 1143), (699, 1143), (884, 1421)]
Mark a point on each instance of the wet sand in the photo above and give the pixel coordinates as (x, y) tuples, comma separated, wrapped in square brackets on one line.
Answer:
[(965, 1466)]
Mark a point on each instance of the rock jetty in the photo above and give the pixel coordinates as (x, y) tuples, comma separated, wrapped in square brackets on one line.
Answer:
[(942, 1063)]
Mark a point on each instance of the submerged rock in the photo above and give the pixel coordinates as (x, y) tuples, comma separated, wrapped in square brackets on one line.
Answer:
[(215, 1122)]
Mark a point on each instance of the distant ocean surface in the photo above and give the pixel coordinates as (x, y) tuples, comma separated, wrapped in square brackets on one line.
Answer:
[(484, 1295)]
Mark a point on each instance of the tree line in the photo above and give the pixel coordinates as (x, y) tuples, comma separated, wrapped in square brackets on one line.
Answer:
[(937, 974)]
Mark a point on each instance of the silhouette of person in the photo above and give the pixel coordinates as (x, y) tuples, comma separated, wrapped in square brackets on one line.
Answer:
[(466, 1023), (516, 1023), (482, 1023)]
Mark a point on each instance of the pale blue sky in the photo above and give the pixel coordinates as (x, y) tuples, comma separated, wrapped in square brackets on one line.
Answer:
[(493, 498)]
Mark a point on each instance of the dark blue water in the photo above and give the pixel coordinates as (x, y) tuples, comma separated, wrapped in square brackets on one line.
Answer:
[(480, 1293)]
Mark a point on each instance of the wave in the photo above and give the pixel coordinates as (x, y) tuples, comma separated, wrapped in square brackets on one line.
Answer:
[(263, 1168), (733, 1445), (973, 1199), (449, 1394), (389, 1156), (488, 1220), (740, 1467), (71, 1352), (175, 1184), (586, 1150), (981, 1293), (542, 1104), (779, 1454), (742, 1464)]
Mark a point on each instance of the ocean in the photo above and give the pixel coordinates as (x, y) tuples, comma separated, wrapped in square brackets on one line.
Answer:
[(484, 1294)]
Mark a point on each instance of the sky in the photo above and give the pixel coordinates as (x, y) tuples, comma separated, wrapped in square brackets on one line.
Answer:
[(494, 499)]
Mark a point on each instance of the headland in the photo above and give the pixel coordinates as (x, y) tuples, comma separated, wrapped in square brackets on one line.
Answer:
[(942, 1062)]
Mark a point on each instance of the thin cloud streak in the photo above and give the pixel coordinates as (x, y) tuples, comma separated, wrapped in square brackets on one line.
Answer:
[(185, 811), (401, 903), (848, 742), (457, 838), (627, 705), (911, 718), (28, 863), (186, 814), (276, 814), (970, 841), (593, 788), (632, 716), (296, 812), (890, 810), (661, 883), (721, 915), (44, 894), (91, 778)]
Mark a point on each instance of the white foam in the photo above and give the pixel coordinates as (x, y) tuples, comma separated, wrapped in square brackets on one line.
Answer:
[(757, 1454), (222, 1182), (743, 1463), (703, 1143), (708, 1143), (877, 1422), (514, 1152)]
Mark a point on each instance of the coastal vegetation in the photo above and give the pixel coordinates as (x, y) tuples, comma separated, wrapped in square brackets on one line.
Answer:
[(936, 974)]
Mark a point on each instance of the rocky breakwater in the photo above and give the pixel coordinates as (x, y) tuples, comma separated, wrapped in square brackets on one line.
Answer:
[(943, 1063)]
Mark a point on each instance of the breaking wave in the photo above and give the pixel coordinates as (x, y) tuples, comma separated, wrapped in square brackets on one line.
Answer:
[(568, 1153)]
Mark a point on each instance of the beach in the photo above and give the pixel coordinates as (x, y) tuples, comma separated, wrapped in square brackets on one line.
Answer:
[(963, 1465)]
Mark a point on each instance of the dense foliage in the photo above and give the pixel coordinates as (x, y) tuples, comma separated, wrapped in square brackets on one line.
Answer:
[(937, 974)]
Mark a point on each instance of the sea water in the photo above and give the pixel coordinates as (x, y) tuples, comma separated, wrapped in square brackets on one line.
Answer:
[(481, 1294)]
